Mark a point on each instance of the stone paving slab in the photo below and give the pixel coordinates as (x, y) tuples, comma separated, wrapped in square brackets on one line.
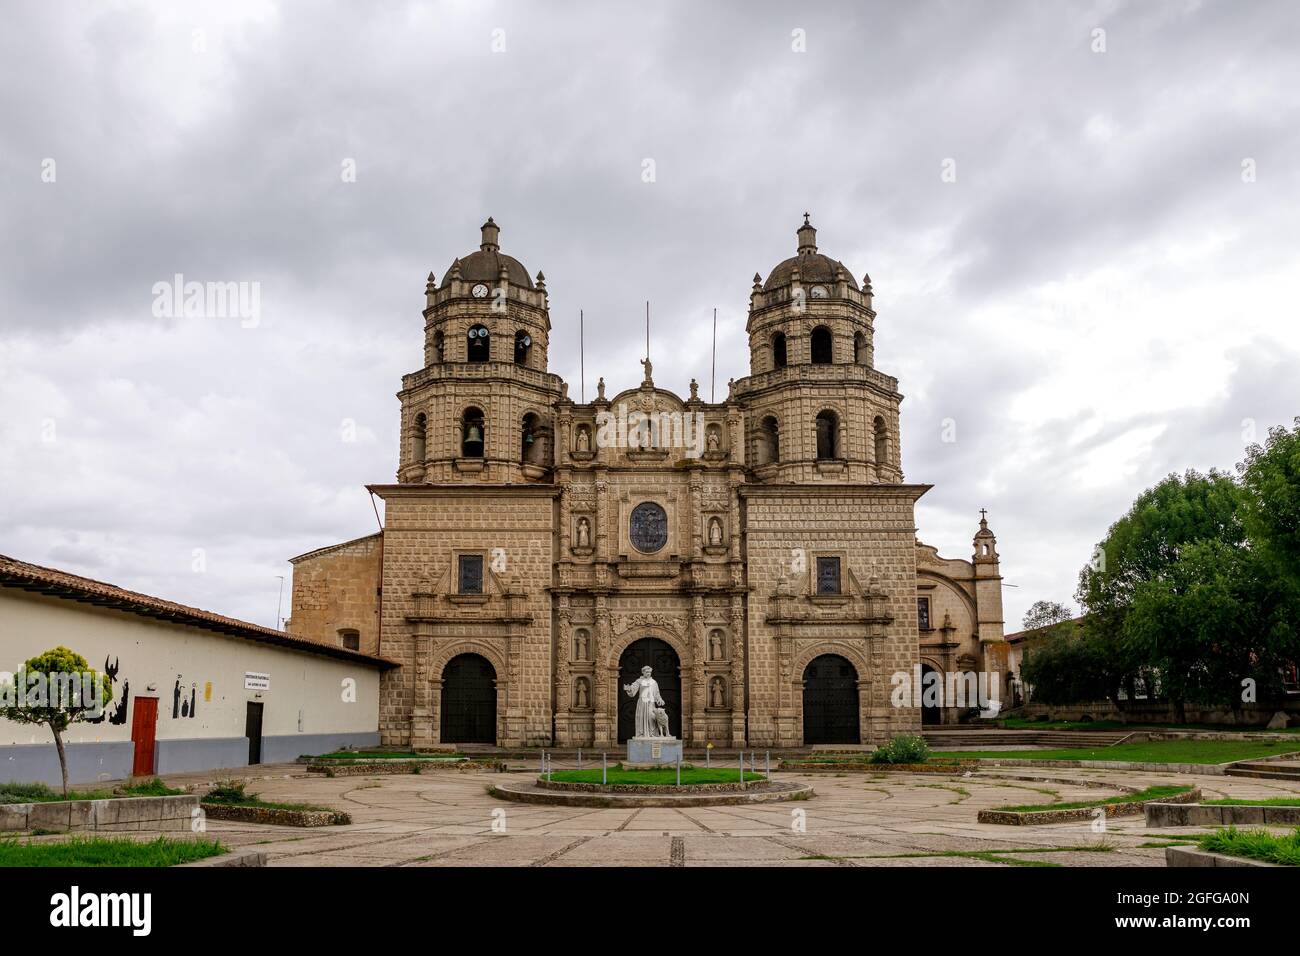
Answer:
[(855, 820)]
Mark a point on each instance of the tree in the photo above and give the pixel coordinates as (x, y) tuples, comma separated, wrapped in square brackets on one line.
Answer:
[(57, 689), (1043, 614), (1142, 547), (1219, 617), (1063, 667), (1270, 476)]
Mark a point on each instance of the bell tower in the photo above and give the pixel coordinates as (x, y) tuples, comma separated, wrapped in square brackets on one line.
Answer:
[(481, 409), (817, 409)]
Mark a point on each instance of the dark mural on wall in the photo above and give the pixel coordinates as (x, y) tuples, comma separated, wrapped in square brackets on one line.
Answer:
[(117, 715), (180, 706)]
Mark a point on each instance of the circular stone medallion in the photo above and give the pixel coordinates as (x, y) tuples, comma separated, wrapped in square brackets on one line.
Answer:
[(648, 527)]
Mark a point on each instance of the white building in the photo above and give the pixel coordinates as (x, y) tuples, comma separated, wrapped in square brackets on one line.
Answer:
[(192, 690)]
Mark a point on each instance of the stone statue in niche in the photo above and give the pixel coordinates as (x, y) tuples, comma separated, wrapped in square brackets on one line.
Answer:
[(715, 532), (584, 533), (584, 440), (717, 698), (580, 646), (715, 646), (582, 698), (713, 440)]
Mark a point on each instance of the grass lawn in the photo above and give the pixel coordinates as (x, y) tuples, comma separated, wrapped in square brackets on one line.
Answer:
[(1260, 802), (1156, 751), (658, 776), (360, 756), (1150, 793), (40, 793), (1255, 844), (106, 851)]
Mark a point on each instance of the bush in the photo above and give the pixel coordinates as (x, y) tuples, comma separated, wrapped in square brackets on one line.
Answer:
[(905, 748), (25, 792), (227, 791)]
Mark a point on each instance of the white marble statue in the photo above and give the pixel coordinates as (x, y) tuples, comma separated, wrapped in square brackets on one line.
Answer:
[(646, 689)]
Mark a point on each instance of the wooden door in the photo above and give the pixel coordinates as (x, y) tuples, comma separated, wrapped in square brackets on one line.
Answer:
[(469, 701), (144, 728), (830, 701), (253, 731)]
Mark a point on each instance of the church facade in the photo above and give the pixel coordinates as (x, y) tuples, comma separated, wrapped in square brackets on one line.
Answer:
[(759, 553)]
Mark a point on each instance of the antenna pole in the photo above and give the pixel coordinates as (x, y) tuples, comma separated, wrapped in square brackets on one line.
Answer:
[(713, 371), (582, 359), (647, 328)]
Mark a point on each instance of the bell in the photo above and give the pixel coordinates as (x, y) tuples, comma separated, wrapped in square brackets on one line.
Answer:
[(475, 434), (528, 438)]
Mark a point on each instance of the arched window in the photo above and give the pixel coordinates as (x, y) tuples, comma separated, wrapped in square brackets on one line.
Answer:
[(478, 345), (530, 444), (778, 350), (882, 443), (472, 433), (417, 438), (770, 441), (821, 345), (828, 425), (523, 344), (439, 347), (859, 348)]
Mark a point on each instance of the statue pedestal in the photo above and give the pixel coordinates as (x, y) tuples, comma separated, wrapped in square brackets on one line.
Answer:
[(643, 752)]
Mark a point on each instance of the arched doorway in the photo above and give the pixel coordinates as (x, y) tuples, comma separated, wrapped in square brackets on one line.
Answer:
[(830, 701), (469, 701), (665, 669), (931, 713)]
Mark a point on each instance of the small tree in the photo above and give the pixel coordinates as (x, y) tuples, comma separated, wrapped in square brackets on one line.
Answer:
[(1043, 614), (57, 689)]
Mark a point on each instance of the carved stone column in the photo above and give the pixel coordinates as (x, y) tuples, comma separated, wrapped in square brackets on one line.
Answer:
[(423, 734), (739, 648), (699, 689), (563, 654), (606, 674)]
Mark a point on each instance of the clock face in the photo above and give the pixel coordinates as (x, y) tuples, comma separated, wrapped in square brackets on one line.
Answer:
[(479, 291), (819, 292)]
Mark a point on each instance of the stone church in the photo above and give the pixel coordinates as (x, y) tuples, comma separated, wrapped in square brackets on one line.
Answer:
[(760, 553)]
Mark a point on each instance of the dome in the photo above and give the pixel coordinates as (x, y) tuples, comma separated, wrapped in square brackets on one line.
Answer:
[(485, 265), (813, 266)]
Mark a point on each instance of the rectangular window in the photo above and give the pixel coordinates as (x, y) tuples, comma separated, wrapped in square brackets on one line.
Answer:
[(351, 639), (828, 575), (923, 613), (471, 574)]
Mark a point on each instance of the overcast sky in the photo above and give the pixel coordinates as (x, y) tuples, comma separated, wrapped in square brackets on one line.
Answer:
[(1105, 294)]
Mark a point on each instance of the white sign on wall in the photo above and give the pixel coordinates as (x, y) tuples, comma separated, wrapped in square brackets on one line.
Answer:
[(255, 681)]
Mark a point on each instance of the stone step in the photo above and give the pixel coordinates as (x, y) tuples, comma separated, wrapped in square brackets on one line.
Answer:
[(1264, 770)]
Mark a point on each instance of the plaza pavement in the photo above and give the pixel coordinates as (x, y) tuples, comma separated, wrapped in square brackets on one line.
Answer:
[(446, 818)]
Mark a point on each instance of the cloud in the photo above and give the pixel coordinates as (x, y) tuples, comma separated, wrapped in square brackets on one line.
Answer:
[(1097, 300)]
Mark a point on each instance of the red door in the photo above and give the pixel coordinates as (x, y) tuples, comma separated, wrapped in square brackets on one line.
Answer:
[(143, 726)]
